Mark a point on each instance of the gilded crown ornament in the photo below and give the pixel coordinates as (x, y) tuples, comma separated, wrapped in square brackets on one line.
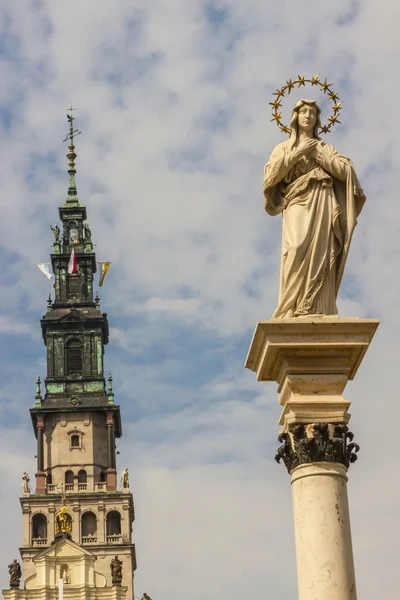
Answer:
[(324, 86)]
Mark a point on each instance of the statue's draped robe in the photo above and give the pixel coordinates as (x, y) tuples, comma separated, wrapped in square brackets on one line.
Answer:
[(319, 203)]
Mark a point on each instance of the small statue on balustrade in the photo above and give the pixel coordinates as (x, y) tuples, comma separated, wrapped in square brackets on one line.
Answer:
[(25, 483), (124, 479), (15, 573), (56, 232)]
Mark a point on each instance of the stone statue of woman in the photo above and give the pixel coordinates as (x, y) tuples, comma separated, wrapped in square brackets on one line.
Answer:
[(318, 193)]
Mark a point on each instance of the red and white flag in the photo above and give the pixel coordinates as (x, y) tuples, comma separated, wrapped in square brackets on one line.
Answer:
[(72, 263)]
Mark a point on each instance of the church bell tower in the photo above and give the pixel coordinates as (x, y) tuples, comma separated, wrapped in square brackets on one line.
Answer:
[(77, 521)]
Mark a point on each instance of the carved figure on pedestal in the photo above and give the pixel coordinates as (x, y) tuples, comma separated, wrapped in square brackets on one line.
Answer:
[(88, 234), (318, 194), (116, 569), (124, 479), (25, 483), (64, 574), (56, 232), (15, 573)]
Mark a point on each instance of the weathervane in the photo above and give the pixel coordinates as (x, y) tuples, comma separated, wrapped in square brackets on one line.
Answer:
[(301, 80), (72, 193), (72, 132)]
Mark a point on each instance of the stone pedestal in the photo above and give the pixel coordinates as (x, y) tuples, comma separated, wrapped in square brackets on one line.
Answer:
[(40, 482), (111, 476), (312, 360)]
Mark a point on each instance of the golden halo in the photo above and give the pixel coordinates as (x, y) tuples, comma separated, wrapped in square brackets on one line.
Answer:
[(301, 80)]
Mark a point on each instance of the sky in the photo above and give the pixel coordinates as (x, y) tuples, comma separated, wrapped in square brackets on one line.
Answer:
[(172, 99)]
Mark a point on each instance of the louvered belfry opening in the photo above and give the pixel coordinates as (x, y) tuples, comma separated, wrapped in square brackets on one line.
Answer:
[(74, 357)]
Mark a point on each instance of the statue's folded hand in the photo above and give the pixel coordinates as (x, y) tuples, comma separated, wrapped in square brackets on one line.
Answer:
[(307, 146)]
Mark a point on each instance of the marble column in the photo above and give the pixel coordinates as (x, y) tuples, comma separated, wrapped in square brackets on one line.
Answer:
[(312, 360)]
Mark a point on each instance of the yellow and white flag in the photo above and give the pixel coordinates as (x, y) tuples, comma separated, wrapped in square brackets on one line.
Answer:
[(104, 266)]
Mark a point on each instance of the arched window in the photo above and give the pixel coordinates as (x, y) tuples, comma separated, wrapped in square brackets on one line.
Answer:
[(113, 523), (49, 478), (102, 476), (74, 357), (69, 477), (82, 476), (39, 530), (89, 527)]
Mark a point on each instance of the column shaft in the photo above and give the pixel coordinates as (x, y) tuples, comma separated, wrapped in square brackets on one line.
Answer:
[(111, 472), (40, 447), (324, 555), (111, 445)]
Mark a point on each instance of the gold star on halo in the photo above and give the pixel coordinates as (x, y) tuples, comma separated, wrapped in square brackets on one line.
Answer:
[(336, 107), (301, 80), (325, 129), (284, 128), (315, 80), (280, 93), (334, 119), (289, 85), (325, 86), (276, 117), (334, 96), (276, 103)]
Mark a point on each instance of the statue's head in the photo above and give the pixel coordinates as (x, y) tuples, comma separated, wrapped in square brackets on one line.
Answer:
[(306, 113)]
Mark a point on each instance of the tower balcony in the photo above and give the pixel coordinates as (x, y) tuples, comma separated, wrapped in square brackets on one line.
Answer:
[(76, 488)]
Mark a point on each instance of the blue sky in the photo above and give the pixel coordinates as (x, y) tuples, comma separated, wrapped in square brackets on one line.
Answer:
[(172, 99)]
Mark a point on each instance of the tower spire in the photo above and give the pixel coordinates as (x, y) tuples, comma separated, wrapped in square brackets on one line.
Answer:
[(72, 193)]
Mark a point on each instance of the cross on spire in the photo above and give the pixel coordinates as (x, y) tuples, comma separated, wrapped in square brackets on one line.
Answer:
[(72, 197), (72, 132)]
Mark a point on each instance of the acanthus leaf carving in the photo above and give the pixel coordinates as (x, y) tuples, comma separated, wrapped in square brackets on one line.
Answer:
[(317, 442)]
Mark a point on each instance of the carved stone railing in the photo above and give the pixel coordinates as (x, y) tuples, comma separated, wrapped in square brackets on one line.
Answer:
[(116, 538), (100, 486), (82, 487), (69, 487), (39, 541), (89, 539)]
